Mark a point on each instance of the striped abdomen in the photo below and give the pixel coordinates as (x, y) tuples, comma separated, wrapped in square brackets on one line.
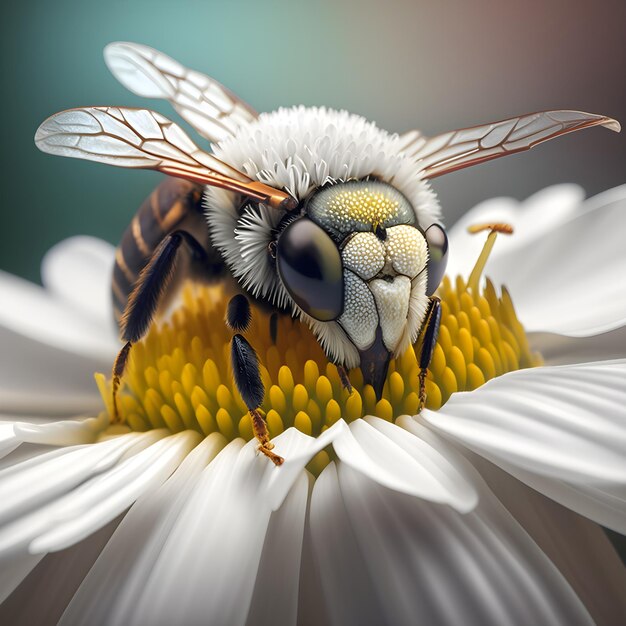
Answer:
[(174, 204)]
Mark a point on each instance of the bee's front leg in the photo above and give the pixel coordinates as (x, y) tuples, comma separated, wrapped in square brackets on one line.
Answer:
[(247, 375), (430, 333)]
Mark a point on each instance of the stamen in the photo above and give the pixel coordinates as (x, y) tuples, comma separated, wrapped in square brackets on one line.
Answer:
[(498, 227), (479, 267)]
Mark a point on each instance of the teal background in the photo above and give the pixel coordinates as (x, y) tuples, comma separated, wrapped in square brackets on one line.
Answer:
[(433, 66)]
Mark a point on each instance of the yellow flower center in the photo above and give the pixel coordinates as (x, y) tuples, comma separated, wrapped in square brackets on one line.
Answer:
[(179, 376)]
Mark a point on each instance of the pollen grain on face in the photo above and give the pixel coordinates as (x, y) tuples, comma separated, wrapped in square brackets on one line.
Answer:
[(364, 204)]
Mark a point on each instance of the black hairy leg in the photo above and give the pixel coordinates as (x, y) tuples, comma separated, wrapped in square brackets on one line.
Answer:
[(247, 375), (145, 298), (429, 333), (153, 282), (246, 372), (344, 378)]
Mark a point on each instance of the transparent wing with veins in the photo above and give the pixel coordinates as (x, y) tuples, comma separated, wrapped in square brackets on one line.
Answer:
[(468, 146), (138, 138), (214, 111)]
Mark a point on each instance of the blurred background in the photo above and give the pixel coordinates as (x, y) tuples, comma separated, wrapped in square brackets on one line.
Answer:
[(405, 64)]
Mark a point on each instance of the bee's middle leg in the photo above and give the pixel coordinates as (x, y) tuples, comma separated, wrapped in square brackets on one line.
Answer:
[(247, 375), (430, 333), (344, 378)]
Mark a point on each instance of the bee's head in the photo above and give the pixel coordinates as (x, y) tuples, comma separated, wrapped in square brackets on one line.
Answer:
[(358, 257)]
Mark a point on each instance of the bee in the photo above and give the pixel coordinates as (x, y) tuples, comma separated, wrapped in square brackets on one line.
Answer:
[(314, 212)]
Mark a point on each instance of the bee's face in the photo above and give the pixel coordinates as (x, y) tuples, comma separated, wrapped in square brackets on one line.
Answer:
[(358, 257)]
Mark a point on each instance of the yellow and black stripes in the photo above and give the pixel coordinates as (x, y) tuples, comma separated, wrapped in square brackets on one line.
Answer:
[(161, 212)]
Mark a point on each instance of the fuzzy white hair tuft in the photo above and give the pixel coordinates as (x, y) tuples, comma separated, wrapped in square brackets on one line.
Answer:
[(302, 148)]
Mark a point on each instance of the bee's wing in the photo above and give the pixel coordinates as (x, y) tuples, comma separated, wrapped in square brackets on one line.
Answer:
[(214, 111), (468, 146), (139, 138), (412, 142)]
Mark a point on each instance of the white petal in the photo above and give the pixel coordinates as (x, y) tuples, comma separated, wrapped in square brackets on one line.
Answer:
[(61, 432), (34, 482), (43, 595), (531, 219), (416, 560), (46, 380), (211, 557), (135, 565), (98, 500), (571, 280), (562, 350), (78, 271), (8, 440), (393, 457), (44, 431), (275, 597), (106, 496), (108, 593), (577, 546), (209, 561), (33, 456), (25, 452), (349, 592), (562, 430), (604, 506), (297, 449), (261, 492), (29, 310)]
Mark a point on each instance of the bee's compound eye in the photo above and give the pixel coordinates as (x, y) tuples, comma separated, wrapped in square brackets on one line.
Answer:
[(309, 265), (437, 241)]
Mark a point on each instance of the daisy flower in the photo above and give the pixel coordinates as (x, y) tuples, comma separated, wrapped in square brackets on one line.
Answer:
[(484, 508)]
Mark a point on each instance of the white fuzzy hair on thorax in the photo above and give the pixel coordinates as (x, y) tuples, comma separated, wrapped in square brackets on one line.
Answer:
[(300, 149)]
